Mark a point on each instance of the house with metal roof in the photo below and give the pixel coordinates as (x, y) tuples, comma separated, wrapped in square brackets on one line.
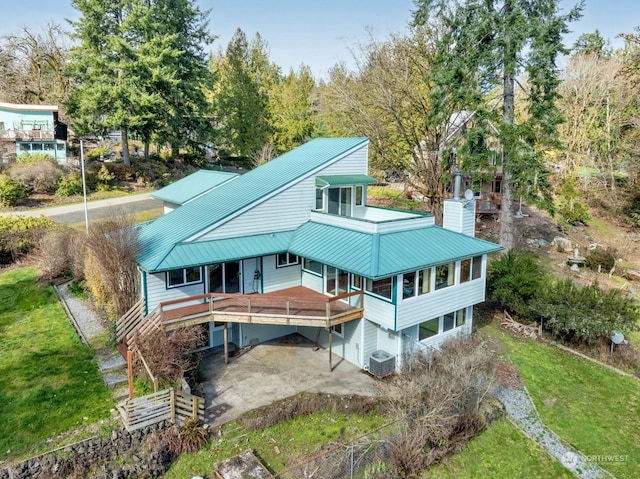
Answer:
[(293, 247)]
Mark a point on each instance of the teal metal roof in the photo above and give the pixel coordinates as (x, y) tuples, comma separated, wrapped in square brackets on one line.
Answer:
[(159, 237), (342, 180), (380, 255), (193, 185), (184, 255)]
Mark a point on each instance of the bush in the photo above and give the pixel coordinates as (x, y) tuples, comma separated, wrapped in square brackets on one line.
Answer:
[(584, 315), (10, 190), (571, 210), (110, 263), (603, 258), (514, 280), (69, 185), (40, 177), (53, 255), (32, 158), (19, 235), (105, 179)]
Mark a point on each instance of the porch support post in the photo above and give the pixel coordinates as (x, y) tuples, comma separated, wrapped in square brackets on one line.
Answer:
[(330, 348), (130, 372), (226, 343)]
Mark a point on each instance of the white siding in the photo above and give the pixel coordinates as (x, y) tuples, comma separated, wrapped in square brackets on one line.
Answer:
[(370, 339), (312, 281), (275, 279), (465, 329), (157, 290), (289, 208), (347, 346), (416, 310), (379, 311), (263, 332), (460, 216), (388, 341)]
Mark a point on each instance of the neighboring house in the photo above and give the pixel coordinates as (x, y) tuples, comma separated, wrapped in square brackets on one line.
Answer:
[(191, 187), (31, 129), (292, 246), (487, 187)]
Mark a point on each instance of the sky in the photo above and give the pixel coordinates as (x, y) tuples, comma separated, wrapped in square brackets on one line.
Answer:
[(318, 33)]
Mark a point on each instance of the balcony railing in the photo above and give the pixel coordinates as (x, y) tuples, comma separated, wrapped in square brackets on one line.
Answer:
[(27, 135), (277, 308)]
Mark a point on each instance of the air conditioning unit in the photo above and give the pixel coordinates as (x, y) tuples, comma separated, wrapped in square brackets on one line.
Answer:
[(381, 364)]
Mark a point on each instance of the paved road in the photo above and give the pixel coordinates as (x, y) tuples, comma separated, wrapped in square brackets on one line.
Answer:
[(70, 214)]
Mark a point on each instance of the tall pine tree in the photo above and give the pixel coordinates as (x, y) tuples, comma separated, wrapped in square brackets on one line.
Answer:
[(487, 45)]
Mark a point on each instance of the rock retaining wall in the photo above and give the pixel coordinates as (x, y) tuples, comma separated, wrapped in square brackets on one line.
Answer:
[(144, 453)]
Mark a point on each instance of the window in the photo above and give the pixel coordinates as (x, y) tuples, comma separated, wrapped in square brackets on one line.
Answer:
[(60, 146), (337, 281), (496, 186), (337, 329), (465, 270), (476, 270), (312, 266), (25, 147), (448, 321), (340, 201), (286, 259), (428, 328), (381, 287), (356, 281), (445, 274), (408, 285), (36, 147), (461, 317), (181, 277), (319, 199), (424, 281), (359, 195)]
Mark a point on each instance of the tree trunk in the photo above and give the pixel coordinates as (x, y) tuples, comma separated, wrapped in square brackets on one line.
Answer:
[(509, 62), (125, 148), (146, 150)]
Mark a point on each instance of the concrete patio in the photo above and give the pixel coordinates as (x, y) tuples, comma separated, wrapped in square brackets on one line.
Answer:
[(275, 370)]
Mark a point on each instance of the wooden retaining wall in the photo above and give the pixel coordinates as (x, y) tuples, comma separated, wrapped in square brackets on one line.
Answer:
[(168, 404)]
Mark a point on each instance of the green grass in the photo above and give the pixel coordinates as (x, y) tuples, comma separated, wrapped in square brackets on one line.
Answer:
[(394, 195), (502, 451), (592, 408), (49, 382), (295, 439)]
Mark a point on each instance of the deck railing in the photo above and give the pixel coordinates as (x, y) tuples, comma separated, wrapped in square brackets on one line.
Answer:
[(258, 305)]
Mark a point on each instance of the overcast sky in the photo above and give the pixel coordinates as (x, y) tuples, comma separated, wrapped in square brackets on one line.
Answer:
[(317, 33)]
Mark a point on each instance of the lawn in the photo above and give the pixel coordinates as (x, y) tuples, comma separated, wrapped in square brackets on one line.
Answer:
[(502, 451), (592, 408), (279, 446), (49, 381)]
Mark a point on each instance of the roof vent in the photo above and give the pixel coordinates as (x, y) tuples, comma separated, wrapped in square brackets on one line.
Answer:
[(381, 364)]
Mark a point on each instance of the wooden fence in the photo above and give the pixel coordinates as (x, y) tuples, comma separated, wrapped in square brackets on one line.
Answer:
[(168, 404)]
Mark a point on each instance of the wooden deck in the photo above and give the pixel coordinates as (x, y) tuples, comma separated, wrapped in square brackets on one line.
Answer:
[(297, 306)]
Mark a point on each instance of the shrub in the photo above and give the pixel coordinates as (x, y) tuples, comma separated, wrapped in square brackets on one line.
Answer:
[(603, 258), (105, 179), (40, 177), (19, 235), (10, 190), (32, 158), (584, 315), (514, 280), (571, 210), (69, 185), (54, 253), (110, 263)]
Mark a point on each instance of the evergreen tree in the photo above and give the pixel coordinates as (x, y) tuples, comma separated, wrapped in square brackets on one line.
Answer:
[(241, 101), (487, 44)]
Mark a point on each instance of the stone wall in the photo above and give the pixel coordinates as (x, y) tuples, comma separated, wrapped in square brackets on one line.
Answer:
[(144, 453)]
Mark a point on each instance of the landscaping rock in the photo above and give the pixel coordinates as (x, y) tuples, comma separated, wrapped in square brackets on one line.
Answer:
[(563, 245)]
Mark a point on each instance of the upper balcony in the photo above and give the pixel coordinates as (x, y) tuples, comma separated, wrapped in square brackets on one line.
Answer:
[(370, 219), (27, 135)]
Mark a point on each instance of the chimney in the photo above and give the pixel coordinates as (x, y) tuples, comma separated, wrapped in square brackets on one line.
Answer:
[(460, 213)]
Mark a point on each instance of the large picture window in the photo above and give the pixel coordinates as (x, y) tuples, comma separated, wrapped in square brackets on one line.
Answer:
[(380, 287), (416, 283), (476, 269), (182, 277), (337, 281), (429, 328), (445, 275), (312, 266), (340, 201), (442, 324)]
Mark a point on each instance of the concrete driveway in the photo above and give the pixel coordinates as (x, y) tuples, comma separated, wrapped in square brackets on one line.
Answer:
[(275, 370)]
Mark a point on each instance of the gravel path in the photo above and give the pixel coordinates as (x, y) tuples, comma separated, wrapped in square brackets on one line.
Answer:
[(82, 315), (522, 411)]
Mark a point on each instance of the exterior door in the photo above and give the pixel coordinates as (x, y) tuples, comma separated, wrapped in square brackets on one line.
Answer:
[(225, 278)]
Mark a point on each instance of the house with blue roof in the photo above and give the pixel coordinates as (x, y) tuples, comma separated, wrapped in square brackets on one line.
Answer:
[(293, 247)]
